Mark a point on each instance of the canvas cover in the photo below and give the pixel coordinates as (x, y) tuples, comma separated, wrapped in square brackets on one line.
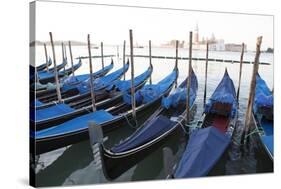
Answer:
[(151, 92), (75, 124), (204, 149), (103, 82), (179, 95), (264, 97), (224, 94)]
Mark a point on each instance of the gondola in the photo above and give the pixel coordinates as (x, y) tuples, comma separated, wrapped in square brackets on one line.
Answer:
[(44, 66), (49, 77), (167, 121), (263, 116), (207, 144), (70, 81), (76, 130), (71, 93), (112, 95)]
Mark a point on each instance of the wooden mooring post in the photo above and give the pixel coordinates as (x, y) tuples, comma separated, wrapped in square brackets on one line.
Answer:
[(55, 69), (189, 79), (71, 57), (150, 62), (102, 59), (177, 54), (133, 100), (240, 72), (252, 93), (124, 58), (46, 56), (206, 75), (91, 75)]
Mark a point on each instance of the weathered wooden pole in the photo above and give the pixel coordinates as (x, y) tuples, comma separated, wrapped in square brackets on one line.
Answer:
[(206, 74), (46, 56), (71, 57), (102, 60), (252, 93), (63, 55), (150, 62), (189, 79), (55, 69), (133, 101), (124, 58), (177, 54), (240, 72), (91, 75)]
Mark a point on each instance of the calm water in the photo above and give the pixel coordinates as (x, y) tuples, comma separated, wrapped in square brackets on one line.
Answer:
[(74, 164)]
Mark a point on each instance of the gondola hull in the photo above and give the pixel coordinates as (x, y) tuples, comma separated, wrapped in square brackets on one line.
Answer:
[(55, 142), (104, 100)]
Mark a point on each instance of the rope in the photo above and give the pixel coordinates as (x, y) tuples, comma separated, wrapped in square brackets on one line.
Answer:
[(253, 132), (128, 121)]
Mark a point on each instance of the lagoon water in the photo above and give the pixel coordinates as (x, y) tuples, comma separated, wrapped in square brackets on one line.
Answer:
[(74, 164)]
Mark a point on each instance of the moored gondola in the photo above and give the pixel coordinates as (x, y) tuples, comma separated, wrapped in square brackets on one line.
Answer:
[(48, 76), (59, 113), (44, 66), (72, 93), (263, 117), (167, 121), (120, 115), (207, 144), (69, 82)]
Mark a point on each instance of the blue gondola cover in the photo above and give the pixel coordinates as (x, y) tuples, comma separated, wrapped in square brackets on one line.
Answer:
[(224, 93), (155, 128), (72, 81), (52, 111), (151, 92), (122, 85), (102, 82), (179, 95), (264, 97), (76, 124), (203, 150)]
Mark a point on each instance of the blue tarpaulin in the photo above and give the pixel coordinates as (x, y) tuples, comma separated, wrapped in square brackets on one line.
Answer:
[(225, 94), (155, 128), (52, 111), (122, 85), (76, 124), (151, 92), (102, 82), (264, 97), (179, 95), (71, 81), (204, 149)]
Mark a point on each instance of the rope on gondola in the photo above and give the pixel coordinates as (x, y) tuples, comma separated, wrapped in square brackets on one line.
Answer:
[(129, 123), (256, 130)]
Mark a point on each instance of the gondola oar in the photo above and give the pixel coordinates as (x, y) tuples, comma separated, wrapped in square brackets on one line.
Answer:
[(177, 51), (248, 116), (71, 57), (124, 57), (240, 72), (46, 56), (55, 69), (101, 48), (133, 100), (150, 62), (188, 80), (91, 75), (206, 74)]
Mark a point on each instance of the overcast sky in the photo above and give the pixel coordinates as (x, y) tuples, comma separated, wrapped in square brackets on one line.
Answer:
[(111, 24)]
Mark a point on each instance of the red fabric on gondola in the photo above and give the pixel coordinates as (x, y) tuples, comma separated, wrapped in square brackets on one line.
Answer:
[(221, 123)]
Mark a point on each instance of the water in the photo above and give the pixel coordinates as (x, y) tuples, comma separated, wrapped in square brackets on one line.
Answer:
[(74, 164)]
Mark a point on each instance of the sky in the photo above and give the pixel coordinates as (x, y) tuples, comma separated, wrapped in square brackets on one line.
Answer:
[(111, 24)]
